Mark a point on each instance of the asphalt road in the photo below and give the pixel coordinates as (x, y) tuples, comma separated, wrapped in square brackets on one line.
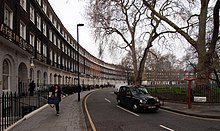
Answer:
[(106, 115)]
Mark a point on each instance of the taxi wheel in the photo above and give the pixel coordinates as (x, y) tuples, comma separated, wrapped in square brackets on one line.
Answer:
[(135, 107), (118, 101)]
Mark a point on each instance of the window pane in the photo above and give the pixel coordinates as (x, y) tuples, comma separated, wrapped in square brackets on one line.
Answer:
[(8, 16), (38, 46), (5, 82), (39, 2), (38, 22), (32, 13), (38, 78), (5, 67), (31, 39), (23, 4), (5, 75), (23, 30), (44, 29)]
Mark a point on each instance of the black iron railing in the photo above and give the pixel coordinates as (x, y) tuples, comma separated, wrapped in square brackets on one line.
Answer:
[(14, 106)]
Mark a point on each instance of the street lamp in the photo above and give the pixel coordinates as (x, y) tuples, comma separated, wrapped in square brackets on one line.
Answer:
[(32, 61), (79, 88)]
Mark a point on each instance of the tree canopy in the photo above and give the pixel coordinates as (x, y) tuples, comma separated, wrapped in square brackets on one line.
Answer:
[(134, 24)]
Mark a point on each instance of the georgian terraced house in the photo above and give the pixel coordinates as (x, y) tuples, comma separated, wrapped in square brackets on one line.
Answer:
[(34, 45)]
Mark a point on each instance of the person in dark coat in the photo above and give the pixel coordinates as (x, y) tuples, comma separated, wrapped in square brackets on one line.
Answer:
[(56, 92), (31, 88)]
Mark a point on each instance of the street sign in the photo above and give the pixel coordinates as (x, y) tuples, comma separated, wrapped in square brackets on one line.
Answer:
[(199, 99)]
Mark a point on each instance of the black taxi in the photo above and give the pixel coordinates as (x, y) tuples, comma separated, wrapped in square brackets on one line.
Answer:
[(137, 97)]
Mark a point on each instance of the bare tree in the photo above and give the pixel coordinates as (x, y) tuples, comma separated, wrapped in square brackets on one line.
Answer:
[(199, 26), (124, 24), (190, 60)]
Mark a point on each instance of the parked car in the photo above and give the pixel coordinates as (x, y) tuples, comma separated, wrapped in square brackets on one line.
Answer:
[(137, 97)]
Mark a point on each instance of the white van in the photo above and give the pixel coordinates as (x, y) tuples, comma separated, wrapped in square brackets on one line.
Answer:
[(117, 86)]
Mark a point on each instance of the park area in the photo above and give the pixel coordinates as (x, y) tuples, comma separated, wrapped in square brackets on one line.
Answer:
[(179, 93)]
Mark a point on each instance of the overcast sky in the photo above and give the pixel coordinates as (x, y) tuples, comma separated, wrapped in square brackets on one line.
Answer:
[(71, 12)]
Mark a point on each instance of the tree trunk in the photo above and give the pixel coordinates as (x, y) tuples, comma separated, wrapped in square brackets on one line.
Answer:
[(142, 65), (203, 70), (134, 62), (205, 57)]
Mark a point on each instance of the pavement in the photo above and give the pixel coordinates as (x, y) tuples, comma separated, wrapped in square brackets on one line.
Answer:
[(72, 117), (203, 110)]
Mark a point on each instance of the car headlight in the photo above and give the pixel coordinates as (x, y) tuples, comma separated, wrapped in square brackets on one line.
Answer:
[(157, 100), (142, 101)]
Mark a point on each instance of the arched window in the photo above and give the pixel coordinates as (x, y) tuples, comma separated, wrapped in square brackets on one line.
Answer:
[(6, 74), (45, 78), (55, 79), (59, 79), (63, 79), (51, 78), (38, 78), (31, 74)]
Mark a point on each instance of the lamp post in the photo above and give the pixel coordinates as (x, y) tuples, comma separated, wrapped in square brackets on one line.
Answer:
[(32, 61), (79, 88)]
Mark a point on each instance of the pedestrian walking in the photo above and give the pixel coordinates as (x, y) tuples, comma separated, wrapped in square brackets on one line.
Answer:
[(31, 88), (56, 92)]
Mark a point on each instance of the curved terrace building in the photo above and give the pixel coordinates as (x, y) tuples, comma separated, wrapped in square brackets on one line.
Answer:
[(35, 45)]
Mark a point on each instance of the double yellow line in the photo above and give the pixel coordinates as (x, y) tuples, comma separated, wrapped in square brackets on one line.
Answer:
[(88, 115)]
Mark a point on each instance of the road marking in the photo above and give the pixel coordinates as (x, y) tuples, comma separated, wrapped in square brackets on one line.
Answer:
[(87, 112), (107, 100), (128, 111), (112, 92), (166, 128)]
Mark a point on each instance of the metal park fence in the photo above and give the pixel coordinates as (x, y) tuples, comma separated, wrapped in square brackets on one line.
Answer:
[(179, 93)]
